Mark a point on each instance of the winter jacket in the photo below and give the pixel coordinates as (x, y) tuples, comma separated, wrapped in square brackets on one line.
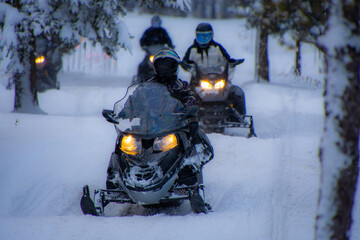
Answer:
[(178, 89), (155, 36), (213, 55)]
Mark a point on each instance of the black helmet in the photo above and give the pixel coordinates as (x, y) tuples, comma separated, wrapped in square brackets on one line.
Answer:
[(204, 34), (166, 63)]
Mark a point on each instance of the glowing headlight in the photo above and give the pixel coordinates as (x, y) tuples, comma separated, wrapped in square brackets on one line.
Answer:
[(205, 85), (130, 145), (220, 84), (151, 58), (166, 143), (40, 60)]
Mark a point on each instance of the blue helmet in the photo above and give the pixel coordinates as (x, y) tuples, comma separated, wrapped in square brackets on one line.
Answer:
[(204, 34)]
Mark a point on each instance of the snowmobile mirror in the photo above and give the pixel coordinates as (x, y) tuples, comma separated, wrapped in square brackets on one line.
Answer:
[(109, 116)]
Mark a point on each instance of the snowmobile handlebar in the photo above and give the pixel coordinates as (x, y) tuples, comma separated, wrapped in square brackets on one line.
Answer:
[(191, 112), (236, 62), (187, 66), (109, 116)]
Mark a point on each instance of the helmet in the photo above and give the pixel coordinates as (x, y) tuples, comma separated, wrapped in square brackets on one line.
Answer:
[(155, 21), (166, 53), (166, 63), (204, 34)]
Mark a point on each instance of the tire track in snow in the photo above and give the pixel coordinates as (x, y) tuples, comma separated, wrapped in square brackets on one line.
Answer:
[(294, 191), (282, 172)]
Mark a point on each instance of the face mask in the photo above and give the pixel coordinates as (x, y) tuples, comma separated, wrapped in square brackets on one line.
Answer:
[(166, 67)]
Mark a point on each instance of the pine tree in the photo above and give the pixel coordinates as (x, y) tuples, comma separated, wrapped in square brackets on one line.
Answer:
[(22, 21), (266, 16), (333, 27), (339, 152)]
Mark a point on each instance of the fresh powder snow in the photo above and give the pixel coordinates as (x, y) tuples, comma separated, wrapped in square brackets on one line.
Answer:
[(260, 188)]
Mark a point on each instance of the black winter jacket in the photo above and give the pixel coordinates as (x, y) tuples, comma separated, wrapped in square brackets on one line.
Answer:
[(178, 89), (154, 36)]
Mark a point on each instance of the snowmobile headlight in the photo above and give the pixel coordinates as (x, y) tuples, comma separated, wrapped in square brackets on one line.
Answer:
[(40, 60), (151, 58), (205, 85), (219, 84), (166, 143), (130, 145)]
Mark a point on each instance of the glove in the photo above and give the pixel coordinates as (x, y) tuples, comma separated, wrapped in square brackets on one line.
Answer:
[(186, 66), (193, 128)]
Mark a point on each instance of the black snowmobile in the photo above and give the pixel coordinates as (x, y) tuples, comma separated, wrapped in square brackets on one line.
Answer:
[(146, 67), (222, 105), (155, 162), (48, 63)]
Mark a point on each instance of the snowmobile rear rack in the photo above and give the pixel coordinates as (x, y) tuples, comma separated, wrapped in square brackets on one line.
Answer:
[(244, 121)]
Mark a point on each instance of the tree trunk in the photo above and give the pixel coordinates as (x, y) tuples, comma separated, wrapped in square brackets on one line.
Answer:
[(26, 99), (339, 152), (298, 58), (263, 66)]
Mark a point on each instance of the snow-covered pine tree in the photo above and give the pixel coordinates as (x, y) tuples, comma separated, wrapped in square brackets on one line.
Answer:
[(339, 151), (184, 5), (333, 26), (337, 34), (21, 21)]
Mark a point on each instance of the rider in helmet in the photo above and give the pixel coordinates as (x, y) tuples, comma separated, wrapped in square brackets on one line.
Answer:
[(153, 39), (155, 35), (166, 65), (205, 52)]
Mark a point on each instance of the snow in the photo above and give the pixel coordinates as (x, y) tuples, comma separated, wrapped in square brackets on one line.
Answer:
[(12, 18), (259, 188)]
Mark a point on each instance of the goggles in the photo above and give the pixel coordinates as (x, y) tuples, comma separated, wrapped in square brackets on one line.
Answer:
[(203, 37)]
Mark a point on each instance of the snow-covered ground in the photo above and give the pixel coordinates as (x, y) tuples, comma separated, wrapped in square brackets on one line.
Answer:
[(259, 188)]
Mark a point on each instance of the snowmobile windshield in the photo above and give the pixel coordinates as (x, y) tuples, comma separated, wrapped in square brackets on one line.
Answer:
[(214, 69), (149, 110)]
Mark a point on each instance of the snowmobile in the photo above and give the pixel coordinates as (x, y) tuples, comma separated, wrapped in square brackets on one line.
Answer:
[(48, 60), (221, 104), (146, 67), (155, 162)]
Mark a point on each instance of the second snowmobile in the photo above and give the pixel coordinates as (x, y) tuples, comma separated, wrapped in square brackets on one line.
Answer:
[(222, 104), (156, 160)]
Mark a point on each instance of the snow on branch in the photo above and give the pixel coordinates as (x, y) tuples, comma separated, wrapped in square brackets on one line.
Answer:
[(181, 4)]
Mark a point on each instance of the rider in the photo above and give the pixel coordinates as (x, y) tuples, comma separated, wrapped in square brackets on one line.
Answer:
[(166, 64), (153, 39), (155, 35), (205, 52)]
